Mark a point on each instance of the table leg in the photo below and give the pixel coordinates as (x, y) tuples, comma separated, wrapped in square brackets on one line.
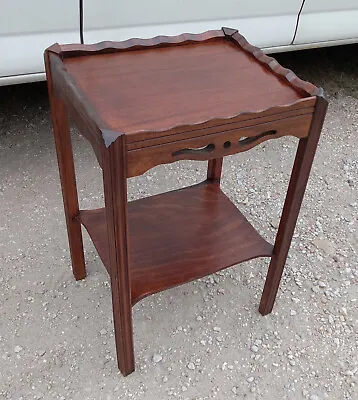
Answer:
[(299, 177), (214, 170), (68, 179), (115, 191)]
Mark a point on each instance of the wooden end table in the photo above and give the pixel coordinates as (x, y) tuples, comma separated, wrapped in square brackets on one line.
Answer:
[(141, 103)]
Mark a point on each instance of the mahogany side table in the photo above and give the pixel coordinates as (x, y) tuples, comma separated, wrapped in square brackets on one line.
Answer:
[(141, 103)]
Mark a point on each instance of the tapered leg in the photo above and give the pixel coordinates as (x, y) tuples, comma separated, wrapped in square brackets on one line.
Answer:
[(115, 190), (299, 177), (68, 179), (214, 169)]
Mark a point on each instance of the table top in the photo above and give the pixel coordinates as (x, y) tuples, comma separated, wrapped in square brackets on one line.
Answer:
[(144, 86)]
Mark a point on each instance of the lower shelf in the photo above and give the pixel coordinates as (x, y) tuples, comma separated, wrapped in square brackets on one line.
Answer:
[(179, 236)]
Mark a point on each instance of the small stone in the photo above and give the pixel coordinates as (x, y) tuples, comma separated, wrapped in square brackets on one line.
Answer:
[(165, 379), (293, 313), (17, 349), (275, 222), (298, 282), (157, 358), (350, 182), (191, 366), (314, 397), (254, 348), (217, 329), (325, 245), (315, 289), (348, 373), (250, 379), (184, 388), (103, 332)]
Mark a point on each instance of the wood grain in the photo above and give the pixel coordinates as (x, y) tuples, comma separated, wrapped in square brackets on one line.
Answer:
[(214, 170), (244, 120), (296, 189), (304, 87), (115, 230), (62, 136), (180, 236), (178, 86), (144, 102), (217, 145), (106, 47), (198, 80)]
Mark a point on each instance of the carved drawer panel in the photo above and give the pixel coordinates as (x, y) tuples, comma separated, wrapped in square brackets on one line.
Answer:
[(216, 145)]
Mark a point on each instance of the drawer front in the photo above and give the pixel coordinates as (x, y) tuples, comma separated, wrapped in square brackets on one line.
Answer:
[(215, 145)]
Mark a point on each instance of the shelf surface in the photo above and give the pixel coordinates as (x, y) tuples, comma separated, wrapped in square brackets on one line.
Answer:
[(179, 236)]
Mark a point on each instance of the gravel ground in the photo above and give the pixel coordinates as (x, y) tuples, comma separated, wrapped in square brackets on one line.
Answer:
[(203, 340)]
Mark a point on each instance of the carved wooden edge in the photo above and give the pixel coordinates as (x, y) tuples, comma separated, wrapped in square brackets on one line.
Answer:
[(278, 111), (273, 65), (81, 108), (147, 140), (65, 87), (108, 136), (77, 50)]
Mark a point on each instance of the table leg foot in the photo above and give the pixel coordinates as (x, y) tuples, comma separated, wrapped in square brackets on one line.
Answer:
[(62, 135), (115, 197), (123, 332), (271, 286), (300, 173)]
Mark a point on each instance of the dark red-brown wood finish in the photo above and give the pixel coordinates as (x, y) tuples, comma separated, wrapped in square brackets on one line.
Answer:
[(212, 236), (145, 102)]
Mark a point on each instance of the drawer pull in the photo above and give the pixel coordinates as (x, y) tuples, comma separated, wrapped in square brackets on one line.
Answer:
[(249, 140), (201, 150)]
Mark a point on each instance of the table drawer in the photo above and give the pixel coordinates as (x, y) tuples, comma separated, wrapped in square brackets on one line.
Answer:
[(216, 145)]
